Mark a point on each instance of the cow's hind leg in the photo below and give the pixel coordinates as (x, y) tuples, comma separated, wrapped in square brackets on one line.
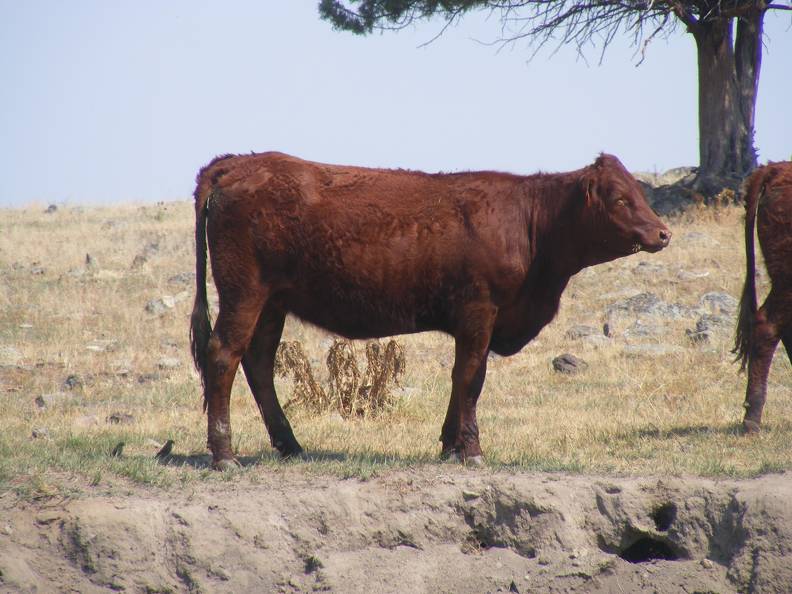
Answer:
[(764, 340), (460, 435), (233, 330), (259, 364)]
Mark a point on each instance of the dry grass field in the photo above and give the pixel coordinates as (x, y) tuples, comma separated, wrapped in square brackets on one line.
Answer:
[(94, 313)]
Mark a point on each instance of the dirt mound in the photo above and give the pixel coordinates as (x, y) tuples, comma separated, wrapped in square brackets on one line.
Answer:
[(433, 529)]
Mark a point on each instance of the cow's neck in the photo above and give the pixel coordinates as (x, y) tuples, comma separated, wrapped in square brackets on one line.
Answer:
[(557, 243)]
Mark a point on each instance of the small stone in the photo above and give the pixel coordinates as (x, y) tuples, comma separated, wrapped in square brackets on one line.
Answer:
[(648, 269), (52, 208), (160, 306), (706, 564), (581, 331), (468, 495), (119, 418), (169, 363), (690, 275), (37, 270), (139, 261), (48, 516), (719, 303), (182, 278), (569, 364), (40, 433), (641, 330), (86, 421), (73, 382)]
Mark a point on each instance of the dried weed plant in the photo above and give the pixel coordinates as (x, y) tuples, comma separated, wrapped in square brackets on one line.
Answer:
[(349, 392)]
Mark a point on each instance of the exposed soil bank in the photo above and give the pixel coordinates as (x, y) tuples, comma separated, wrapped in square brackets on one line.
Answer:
[(432, 529)]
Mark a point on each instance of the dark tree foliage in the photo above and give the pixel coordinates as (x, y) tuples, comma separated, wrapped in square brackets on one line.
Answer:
[(729, 57)]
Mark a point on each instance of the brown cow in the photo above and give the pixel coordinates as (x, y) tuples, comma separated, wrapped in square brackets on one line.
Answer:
[(367, 253), (768, 206)]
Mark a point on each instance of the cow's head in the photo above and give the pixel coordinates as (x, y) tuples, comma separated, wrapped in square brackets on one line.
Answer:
[(620, 220)]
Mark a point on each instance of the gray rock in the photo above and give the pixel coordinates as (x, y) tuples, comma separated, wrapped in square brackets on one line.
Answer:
[(160, 306), (147, 378), (641, 330), (648, 304), (52, 208), (73, 382), (182, 278), (169, 363), (707, 326), (40, 433), (579, 331), (719, 303), (649, 269), (569, 364), (138, 261), (86, 421), (672, 176), (119, 418), (691, 275)]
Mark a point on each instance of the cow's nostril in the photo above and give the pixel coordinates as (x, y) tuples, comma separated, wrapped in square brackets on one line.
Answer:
[(665, 236)]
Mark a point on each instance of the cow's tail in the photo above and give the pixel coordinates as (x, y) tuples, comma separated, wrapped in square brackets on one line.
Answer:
[(745, 322), (200, 324)]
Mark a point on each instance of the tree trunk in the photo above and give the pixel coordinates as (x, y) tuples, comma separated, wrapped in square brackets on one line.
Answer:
[(723, 134), (748, 62)]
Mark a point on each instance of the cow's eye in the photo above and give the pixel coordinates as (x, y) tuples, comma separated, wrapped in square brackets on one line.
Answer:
[(620, 202)]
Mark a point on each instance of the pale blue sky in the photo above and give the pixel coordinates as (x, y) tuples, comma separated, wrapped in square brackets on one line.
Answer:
[(116, 102)]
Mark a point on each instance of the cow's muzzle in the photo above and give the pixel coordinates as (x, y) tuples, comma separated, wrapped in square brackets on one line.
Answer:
[(656, 243)]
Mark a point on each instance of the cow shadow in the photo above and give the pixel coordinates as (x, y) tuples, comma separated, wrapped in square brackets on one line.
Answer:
[(204, 461), (683, 431)]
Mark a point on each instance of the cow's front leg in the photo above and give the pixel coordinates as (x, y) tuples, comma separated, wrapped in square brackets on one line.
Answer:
[(460, 435), (764, 341)]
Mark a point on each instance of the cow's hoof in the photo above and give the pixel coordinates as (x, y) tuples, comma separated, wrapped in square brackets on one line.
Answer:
[(750, 427), (457, 458), (293, 452), (226, 464), (294, 456), (451, 456)]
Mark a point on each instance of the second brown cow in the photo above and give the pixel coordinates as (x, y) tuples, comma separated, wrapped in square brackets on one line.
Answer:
[(768, 207), (367, 253)]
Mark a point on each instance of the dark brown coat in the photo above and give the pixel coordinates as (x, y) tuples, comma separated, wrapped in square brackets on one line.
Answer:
[(367, 253), (768, 206)]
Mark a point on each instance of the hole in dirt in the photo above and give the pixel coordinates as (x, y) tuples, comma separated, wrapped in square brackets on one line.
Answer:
[(664, 516), (648, 549)]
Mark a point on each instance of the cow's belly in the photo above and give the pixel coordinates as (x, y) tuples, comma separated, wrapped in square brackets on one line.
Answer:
[(360, 313)]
